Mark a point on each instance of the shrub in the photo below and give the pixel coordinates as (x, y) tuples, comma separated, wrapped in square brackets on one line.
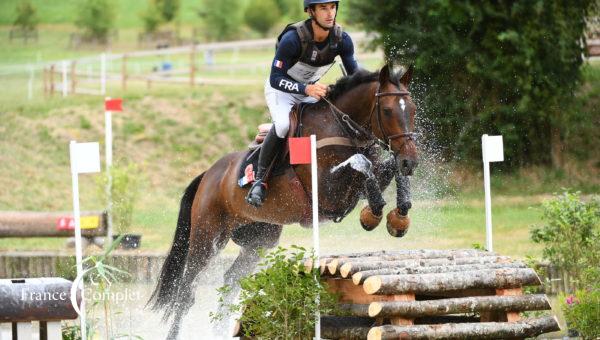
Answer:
[(278, 302), (151, 18), (261, 15), (27, 19), (96, 18), (582, 312), (571, 234), (125, 189), (167, 8)]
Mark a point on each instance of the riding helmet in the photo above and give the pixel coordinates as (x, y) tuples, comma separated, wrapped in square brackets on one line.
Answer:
[(307, 3)]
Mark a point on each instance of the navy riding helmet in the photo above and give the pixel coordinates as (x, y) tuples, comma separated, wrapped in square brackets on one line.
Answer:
[(307, 3)]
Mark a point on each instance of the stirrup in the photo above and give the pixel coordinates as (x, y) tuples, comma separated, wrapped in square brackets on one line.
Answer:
[(257, 193)]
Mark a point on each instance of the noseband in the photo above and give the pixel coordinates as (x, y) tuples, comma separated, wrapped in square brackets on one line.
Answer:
[(388, 139)]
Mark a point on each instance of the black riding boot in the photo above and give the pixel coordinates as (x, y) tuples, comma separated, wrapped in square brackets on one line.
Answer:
[(268, 151)]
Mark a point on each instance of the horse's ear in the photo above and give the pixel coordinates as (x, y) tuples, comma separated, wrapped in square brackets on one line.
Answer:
[(384, 74), (407, 76)]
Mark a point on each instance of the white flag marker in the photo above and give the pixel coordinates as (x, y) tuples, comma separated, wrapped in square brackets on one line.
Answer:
[(493, 151), (85, 158)]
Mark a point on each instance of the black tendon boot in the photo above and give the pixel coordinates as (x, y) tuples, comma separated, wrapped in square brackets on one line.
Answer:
[(268, 151)]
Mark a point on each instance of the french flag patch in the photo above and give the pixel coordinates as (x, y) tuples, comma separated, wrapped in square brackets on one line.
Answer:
[(278, 63)]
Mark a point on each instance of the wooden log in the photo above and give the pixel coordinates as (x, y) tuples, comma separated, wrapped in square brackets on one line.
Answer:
[(43, 224), (510, 315), (474, 304), (333, 332), (426, 283), (485, 330), (351, 293), (336, 327), (335, 261), (360, 277), (354, 309), (350, 268)]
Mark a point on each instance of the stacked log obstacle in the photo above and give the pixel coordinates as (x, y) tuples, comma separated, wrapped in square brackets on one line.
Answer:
[(50, 224), (432, 294), (44, 300)]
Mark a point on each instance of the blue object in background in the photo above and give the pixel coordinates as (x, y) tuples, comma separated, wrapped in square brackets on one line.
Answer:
[(166, 66)]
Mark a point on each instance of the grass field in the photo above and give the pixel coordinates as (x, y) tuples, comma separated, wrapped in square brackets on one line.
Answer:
[(174, 132)]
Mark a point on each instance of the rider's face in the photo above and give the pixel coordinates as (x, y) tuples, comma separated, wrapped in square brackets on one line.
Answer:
[(324, 14)]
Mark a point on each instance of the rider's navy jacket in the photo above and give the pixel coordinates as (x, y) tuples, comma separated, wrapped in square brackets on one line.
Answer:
[(289, 52)]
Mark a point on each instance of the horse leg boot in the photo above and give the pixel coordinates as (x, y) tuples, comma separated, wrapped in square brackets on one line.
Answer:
[(397, 219), (371, 215), (268, 151)]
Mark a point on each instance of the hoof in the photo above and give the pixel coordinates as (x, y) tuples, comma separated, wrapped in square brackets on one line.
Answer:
[(368, 220), (397, 225)]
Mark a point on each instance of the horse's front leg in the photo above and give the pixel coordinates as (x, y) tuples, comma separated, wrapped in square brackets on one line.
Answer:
[(385, 169), (397, 219), (370, 215)]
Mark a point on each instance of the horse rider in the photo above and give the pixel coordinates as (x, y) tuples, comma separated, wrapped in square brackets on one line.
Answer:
[(305, 52)]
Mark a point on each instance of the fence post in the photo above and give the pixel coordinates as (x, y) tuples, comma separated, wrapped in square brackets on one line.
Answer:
[(124, 72), (45, 80), (103, 73), (65, 88), (52, 79), (193, 65), (30, 83), (73, 76)]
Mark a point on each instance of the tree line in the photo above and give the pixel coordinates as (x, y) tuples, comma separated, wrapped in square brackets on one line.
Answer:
[(497, 67)]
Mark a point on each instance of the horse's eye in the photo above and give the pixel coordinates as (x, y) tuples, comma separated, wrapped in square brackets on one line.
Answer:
[(387, 111)]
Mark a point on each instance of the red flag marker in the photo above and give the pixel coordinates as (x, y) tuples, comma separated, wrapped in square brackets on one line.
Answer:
[(113, 104), (299, 150)]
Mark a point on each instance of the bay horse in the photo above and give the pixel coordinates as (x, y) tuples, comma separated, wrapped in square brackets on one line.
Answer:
[(367, 109)]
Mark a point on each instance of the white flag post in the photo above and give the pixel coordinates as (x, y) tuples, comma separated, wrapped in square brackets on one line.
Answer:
[(493, 151), (315, 213), (85, 158), (108, 146)]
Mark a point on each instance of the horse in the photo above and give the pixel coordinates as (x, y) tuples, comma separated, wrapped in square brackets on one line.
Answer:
[(362, 115)]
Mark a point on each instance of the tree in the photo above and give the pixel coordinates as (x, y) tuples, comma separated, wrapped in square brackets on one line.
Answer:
[(167, 8), (261, 15), (27, 19), (96, 18), (152, 18), (222, 18), (508, 67)]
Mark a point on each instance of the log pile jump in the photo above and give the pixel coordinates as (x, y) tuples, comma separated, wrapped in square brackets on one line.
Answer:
[(432, 294)]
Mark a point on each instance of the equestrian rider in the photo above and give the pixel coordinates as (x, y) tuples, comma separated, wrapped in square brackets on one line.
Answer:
[(305, 52)]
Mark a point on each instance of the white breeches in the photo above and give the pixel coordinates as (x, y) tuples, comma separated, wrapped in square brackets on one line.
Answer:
[(280, 103)]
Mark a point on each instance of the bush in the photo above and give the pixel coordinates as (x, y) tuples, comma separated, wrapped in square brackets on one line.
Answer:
[(221, 18), (27, 19), (96, 18), (167, 8), (571, 234), (500, 67), (125, 189), (152, 18), (582, 312), (278, 302), (261, 15)]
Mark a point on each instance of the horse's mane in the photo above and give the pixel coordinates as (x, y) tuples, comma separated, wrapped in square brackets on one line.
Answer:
[(359, 77)]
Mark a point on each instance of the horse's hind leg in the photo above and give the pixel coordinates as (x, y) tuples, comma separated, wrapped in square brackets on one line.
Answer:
[(250, 238), (206, 240)]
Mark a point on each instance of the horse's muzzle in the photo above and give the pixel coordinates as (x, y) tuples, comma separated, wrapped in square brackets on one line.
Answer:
[(406, 166)]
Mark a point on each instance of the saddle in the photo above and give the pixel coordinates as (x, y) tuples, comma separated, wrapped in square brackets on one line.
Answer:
[(281, 162)]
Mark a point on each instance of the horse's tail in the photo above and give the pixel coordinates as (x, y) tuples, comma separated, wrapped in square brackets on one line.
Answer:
[(165, 293)]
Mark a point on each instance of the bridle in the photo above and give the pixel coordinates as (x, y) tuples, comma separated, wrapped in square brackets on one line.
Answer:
[(358, 131), (411, 135)]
